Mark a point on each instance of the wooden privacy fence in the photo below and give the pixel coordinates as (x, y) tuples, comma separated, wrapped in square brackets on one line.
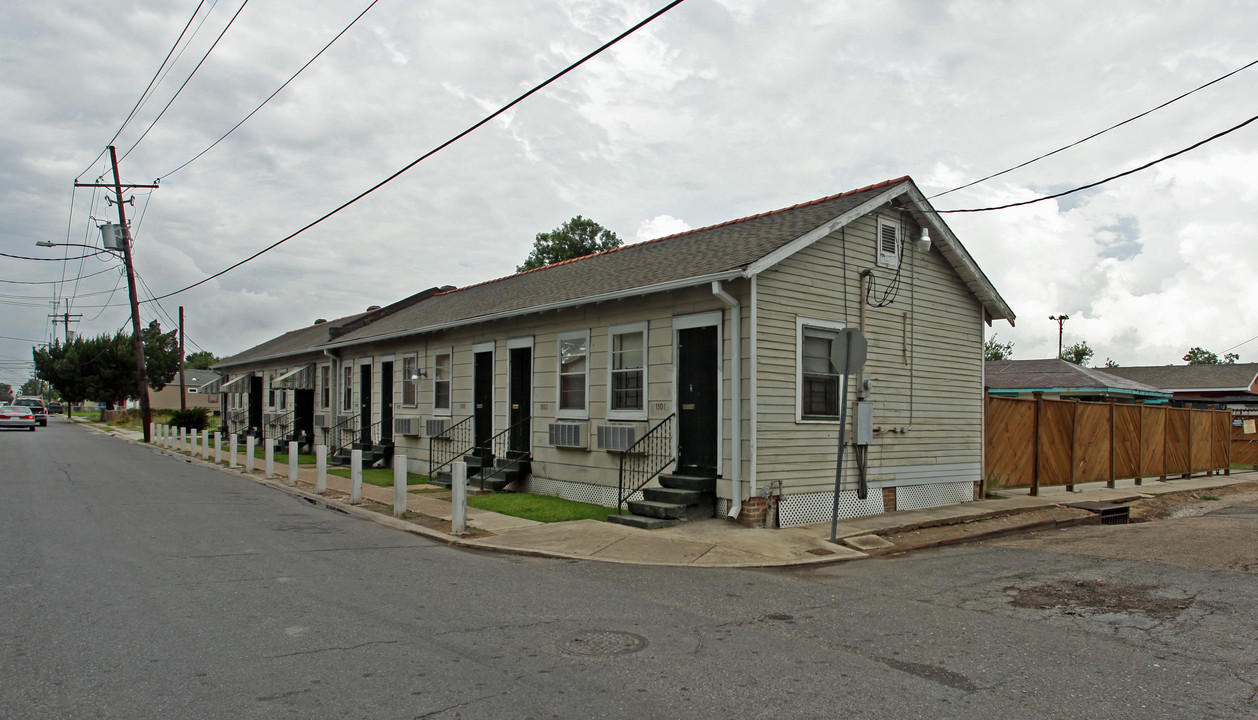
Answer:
[(1245, 438), (1040, 443)]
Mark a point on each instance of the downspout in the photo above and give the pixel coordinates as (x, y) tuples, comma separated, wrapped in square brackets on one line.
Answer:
[(736, 397)]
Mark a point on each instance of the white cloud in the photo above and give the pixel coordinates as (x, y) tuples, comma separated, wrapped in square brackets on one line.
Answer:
[(714, 111)]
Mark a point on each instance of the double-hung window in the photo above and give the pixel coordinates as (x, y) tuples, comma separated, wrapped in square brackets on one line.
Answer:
[(270, 396), (626, 349), (410, 381), (442, 372), (574, 375), (325, 385), (819, 380)]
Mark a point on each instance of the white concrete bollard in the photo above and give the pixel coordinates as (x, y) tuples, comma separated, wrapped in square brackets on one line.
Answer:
[(355, 476), (205, 444), (161, 436), (218, 446), (232, 464), (458, 501), (183, 440), (399, 485), (249, 453), (321, 469), (270, 457), (152, 432), (292, 463)]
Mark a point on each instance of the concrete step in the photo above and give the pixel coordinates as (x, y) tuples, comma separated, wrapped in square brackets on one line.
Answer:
[(688, 482), (673, 495), (641, 521), (650, 508)]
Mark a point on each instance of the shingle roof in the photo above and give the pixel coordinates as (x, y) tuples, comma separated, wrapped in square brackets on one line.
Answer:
[(727, 248), (1238, 376), (1055, 374), (304, 339)]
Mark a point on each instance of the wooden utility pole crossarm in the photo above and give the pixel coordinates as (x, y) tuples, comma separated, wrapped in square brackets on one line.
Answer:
[(137, 340)]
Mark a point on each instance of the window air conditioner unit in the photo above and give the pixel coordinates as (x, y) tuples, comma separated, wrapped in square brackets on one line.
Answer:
[(406, 426), (434, 426), (569, 435), (323, 420), (616, 438)]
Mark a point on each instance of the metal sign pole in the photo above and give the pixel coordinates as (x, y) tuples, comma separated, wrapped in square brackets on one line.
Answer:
[(838, 468)]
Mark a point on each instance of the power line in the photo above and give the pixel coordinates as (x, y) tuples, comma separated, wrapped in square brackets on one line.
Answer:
[(434, 151), (272, 95), (1095, 134), (23, 257), (1243, 343), (1146, 166), (186, 81), (59, 282), (152, 82)]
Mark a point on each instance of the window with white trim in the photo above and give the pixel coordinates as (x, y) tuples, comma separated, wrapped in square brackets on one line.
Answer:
[(347, 402), (442, 376), (270, 390), (626, 387), (819, 380), (574, 376), (283, 394), (410, 381), (889, 244)]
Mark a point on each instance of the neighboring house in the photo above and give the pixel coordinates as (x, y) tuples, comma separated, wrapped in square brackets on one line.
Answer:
[(168, 397), (1058, 379), (1234, 386), (717, 343)]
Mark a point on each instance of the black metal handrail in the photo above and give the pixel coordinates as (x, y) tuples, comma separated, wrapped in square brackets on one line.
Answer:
[(371, 432), (503, 445), (645, 459), (283, 426), (457, 441), (233, 420), (342, 435)]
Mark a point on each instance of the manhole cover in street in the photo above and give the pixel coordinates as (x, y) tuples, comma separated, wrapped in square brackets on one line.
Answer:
[(601, 643)]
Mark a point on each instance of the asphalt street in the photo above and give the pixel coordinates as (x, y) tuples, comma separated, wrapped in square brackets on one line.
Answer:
[(134, 584)]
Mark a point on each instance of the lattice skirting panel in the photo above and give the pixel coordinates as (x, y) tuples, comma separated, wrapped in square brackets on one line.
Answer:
[(812, 508), (917, 497), (581, 492)]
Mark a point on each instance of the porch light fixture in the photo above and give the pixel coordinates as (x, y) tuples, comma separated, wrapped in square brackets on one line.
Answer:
[(923, 241)]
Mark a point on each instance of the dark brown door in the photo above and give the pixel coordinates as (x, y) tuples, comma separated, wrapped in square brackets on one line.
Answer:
[(483, 397), (364, 404), (696, 401), (386, 401), (521, 398)]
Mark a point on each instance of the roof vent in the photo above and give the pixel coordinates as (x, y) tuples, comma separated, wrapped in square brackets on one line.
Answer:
[(320, 321), (372, 307), (446, 288)]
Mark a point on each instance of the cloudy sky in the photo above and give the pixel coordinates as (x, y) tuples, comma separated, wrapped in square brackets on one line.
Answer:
[(717, 110)]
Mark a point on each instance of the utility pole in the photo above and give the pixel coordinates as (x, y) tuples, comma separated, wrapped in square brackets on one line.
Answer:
[(183, 389), (66, 318), (1061, 319), (137, 340)]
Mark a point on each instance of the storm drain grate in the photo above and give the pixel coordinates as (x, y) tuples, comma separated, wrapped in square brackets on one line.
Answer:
[(601, 643), (1111, 513)]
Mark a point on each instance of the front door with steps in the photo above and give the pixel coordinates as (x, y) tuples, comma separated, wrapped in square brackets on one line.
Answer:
[(697, 410)]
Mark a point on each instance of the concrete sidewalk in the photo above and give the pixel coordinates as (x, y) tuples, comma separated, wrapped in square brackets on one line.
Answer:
[(706, 543)]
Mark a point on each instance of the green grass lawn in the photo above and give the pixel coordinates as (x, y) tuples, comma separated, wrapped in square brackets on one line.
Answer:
[(542, 508), (380, 477), (280, 457)]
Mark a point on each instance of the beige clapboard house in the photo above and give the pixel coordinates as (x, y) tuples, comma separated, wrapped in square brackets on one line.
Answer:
[(700, 355)]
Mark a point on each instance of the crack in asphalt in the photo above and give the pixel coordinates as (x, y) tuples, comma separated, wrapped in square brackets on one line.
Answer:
[(331, 649), (462, 704)]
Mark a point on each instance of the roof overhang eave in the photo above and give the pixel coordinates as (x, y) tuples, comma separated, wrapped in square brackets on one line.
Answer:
[(547, 307)]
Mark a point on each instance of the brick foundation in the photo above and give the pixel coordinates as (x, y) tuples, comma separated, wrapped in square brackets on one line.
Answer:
[(888, 499), (754, 512)]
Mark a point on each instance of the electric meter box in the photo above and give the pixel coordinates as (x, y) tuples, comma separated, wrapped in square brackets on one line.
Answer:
[(864, 423)]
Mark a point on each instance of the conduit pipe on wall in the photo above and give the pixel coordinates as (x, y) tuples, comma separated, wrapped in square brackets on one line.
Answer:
[(736, 396)]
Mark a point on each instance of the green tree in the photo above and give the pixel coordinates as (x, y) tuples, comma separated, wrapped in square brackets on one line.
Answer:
[(1201, 356), (1110, 363), (1079, 354), (30, 387), (993, 350), (103, 367), (201, 360), (576, 238), (6, 392)]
